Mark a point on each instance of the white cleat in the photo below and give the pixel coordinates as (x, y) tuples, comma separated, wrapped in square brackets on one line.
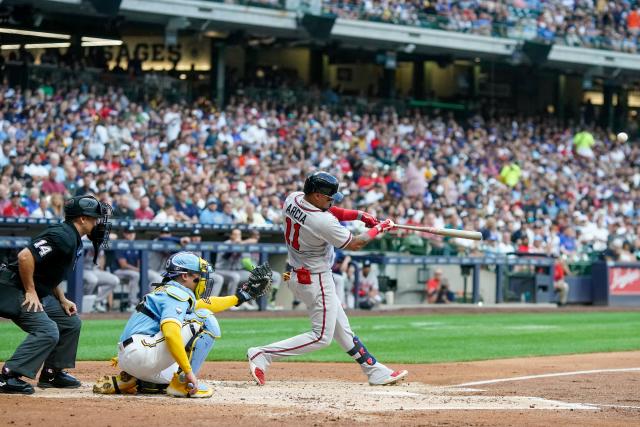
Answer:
[(394, 378)]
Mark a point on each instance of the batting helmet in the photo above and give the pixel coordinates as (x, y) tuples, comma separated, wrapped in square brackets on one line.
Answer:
[(323, 183)]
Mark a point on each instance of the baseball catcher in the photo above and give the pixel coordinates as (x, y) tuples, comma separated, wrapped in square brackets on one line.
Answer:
[(168, 338)]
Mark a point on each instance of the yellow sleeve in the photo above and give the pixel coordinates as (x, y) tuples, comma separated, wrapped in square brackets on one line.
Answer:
[(172, 334), (217, 304)]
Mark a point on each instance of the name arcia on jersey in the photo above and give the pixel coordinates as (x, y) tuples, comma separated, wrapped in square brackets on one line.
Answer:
[(296, 213)]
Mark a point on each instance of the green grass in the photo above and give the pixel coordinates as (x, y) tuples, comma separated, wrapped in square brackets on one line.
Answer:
[(402, 339)]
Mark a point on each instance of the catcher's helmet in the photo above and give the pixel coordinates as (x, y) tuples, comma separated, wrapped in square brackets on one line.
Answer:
[(188, 262), (323, 183)]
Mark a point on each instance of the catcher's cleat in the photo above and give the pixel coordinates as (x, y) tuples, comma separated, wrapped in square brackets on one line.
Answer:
[(179, 388), (394, 378), (122, 383)]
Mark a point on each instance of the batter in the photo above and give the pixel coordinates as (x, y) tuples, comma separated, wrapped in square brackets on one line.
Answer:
[(312, 230)]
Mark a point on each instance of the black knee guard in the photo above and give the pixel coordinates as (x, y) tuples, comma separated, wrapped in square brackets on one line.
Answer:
[(360, 354)]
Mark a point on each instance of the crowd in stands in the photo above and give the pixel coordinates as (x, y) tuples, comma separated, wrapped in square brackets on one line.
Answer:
[(530, 185), (587, 23)]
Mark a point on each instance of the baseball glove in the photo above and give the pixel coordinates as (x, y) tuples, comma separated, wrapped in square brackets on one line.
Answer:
[(259, 283)]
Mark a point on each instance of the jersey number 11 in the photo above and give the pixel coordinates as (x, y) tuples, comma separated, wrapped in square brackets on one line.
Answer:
[(292, 240)]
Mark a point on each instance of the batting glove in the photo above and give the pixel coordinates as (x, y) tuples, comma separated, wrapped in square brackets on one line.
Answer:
[(384, 226), (368, 219)]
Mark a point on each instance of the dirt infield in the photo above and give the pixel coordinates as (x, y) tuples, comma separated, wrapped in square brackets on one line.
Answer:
[(593, 389)]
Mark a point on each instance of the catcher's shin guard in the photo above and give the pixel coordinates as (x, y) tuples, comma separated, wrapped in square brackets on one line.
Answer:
[(178, 387), (360, 354), (202, 342), (122, 383)]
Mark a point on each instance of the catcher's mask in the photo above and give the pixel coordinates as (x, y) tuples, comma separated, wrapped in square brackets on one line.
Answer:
[(188, 262), (90, 206)]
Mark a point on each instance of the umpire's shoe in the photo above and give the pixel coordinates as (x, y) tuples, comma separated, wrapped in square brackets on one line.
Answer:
[(12, 384), (57, 378)]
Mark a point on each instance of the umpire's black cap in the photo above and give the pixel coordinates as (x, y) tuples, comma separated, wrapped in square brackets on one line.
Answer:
[(83, 206), (323, 183)]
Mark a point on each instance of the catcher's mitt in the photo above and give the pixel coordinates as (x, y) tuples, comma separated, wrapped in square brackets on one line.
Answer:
[(259, 283)]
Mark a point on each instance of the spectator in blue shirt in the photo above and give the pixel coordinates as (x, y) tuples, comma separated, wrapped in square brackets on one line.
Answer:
[(33, 201), (187, 208), (210, 214), (568, 240)]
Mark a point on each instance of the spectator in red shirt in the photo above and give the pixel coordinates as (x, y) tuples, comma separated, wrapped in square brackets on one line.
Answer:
[(144, 212), (560, 286), (52, 186), (15, 208), (523, 245), (633, 21), (434, 284)]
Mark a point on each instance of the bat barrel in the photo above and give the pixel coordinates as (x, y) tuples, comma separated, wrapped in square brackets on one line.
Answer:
[(448, 232)]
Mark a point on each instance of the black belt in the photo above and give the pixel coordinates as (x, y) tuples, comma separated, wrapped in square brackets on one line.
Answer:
[(126, 342)]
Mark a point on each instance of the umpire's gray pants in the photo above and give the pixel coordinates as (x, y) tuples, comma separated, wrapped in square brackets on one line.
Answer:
[(52, 334)]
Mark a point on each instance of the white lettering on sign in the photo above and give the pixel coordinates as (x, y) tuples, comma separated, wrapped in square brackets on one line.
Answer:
[(624, 281)]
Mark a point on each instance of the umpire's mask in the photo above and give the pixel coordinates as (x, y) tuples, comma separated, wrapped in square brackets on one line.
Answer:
[(90, 206)]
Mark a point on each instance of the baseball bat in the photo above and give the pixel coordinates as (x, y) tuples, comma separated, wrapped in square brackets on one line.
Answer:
[(448, 232)]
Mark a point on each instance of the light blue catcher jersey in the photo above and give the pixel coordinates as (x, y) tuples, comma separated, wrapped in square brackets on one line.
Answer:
[(169, 301)]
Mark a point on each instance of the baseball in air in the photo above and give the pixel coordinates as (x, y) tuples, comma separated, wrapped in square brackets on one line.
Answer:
[(622, 137)]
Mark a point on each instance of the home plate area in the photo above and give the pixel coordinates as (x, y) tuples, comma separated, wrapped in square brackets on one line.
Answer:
[(337, 397)]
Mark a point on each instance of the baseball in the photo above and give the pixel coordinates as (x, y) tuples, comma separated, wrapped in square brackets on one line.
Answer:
[(622, 137)]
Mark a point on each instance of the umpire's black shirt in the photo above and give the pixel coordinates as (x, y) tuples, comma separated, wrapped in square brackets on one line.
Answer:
[(55, 251)]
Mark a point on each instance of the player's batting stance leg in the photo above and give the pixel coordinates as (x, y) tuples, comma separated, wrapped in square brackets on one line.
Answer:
[(328, 321)]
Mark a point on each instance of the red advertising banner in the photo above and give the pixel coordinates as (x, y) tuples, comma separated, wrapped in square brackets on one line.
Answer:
[(624, 281)]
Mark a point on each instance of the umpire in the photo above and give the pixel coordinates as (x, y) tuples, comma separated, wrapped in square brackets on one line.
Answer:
[(31, 298)]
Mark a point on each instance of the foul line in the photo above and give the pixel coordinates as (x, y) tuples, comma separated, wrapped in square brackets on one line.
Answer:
[(558, 374)]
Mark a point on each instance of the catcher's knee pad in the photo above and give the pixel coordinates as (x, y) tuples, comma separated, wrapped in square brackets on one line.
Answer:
[(200, 321), (360, 354)]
